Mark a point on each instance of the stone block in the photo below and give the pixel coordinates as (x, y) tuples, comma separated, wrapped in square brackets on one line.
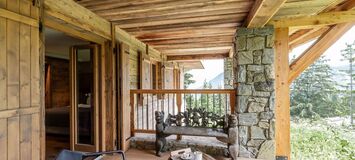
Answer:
[(267, 150), (272, 101), (245, 57), (267, 86), (264, 31), (261, 94), (268, 56), (270, 41), (243, 152), (259, 77), (245, 90), (269, 72), (241, 43), (243, 134), (264, 124), (250, 77), (242, 102), (266, 115), (241, 73), (255, 142), (255, 107), (248, 119), (255, 43), (257, 133), (255, 68), (244, 31), (272, 129)]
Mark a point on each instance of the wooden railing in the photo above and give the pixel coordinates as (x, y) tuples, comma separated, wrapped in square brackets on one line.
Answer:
[(144, 103)]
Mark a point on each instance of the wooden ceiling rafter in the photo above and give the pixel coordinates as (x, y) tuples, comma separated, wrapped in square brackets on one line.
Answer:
[(196, 57), (339, 5), (262, 12)]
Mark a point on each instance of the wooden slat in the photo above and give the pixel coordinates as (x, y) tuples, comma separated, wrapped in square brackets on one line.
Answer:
[(25, 65), (197, 57), (317, 49), (36, 139), (19, 18), (262, 12), (322, 19), (25, 137), (35, 67), (282, 94), (13, 55), (3, 65), (13, 139), (81, 18), (18, 112), (182, 91), (3, 138)]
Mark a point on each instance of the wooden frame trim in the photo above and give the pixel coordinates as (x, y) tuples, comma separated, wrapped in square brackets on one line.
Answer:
[(96, 93), (19, 18), (322, 19)]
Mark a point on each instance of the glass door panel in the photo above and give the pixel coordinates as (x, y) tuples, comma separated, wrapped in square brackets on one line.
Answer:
[(84, 106)]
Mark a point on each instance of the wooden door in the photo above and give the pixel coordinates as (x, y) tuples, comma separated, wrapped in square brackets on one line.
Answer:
[(21, 121), (84, 113), (124, 107)]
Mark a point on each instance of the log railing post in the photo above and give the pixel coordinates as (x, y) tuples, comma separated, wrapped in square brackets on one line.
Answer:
[(178, 103), (132, 114)]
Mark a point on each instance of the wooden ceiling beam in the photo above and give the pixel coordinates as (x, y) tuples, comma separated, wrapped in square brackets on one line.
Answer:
[(322, 19), (317, 49), (185, 40), (186, 21), (191, 46), (196, 57), (262, 12), (210, 9), (181, 27), (308, 37), (162, 6), (240, 12)]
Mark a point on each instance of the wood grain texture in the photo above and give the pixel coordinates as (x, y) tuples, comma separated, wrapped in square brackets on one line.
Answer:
[(3, 64), (282, 93), (262, 12)]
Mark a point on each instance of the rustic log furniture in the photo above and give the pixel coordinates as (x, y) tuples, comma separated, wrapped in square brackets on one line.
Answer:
[(197, 122)]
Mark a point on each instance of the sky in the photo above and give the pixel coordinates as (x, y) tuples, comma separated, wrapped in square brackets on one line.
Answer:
[(215, 67), (334, 52)]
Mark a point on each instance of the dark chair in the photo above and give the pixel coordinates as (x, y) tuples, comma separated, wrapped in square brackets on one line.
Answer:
[(75, 155)]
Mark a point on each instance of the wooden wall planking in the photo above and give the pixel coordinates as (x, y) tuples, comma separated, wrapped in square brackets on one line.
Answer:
[(19, 117)]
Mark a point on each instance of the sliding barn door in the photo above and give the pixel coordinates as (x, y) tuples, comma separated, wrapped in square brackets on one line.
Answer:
[(20, 87), (84, 113)]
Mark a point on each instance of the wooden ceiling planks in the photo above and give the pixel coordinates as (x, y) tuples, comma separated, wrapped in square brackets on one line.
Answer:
[(173, 27)]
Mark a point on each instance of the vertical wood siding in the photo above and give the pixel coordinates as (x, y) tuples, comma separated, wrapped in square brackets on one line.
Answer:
[(19, 82)]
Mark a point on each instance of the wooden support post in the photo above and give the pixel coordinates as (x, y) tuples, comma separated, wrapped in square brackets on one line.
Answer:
[(282, 94), (178, 103), (232, 97)]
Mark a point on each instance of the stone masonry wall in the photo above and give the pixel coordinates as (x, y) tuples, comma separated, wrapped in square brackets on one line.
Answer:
[(228, 73), (254, 78)]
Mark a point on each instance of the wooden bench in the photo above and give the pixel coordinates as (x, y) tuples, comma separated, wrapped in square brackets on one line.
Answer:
[(197, 122)]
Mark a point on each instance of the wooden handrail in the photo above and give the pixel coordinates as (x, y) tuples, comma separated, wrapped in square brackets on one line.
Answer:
[(183, 91)]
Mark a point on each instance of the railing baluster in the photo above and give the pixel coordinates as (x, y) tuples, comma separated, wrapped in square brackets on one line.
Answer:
[(196, 100), (207, 107), (226, 105), (214, 103), (147, 127), (174, 103), (137, 111), (220, 104), (168, 103)]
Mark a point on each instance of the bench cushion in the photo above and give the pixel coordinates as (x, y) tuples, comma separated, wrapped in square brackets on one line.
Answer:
[(193, 131)]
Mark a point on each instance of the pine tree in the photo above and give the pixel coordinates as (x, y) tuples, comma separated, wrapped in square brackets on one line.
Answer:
[(314, 93), (348, 55)]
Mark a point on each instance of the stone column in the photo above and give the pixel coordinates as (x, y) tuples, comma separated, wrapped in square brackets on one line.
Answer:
[(228, 73), (254, 78)]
